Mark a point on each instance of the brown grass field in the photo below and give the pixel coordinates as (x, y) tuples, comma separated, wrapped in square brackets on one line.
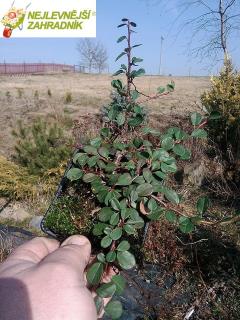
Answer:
[(27, 97)]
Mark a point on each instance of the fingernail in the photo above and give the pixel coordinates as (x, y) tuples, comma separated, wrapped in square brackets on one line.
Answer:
[(78, 240)]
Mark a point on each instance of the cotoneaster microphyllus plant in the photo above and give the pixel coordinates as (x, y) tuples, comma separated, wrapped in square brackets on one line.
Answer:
[(128, 175)]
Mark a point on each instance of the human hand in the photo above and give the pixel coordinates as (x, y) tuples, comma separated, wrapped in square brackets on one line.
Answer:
[(43, 280)]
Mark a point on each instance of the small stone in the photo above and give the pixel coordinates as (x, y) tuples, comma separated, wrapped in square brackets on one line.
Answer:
[(36, 222), (14, 212)]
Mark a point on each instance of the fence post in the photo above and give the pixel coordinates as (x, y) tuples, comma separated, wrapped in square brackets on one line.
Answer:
[(5, 67)]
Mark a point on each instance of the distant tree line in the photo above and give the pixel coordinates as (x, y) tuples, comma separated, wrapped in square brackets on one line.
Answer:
[(93, 54)]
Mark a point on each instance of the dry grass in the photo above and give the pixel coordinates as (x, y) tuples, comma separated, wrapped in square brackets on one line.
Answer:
[(5, 246), (89, 93)]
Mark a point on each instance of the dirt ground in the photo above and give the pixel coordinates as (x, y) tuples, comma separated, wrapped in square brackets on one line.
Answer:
[(27, 97)]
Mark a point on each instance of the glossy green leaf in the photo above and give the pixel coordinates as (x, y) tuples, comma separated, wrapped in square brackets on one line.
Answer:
[(120, 283), (116, 234), (105, 214), (135, 94), (186, 225), (89, 177), (106, 242), (120, 119), (94, 273), (98, 304), (121, 39), (123, 246), (106, 290), (196, 118), (111, 256), (161, 90), (96, 142), (74, 174), (101, 257), (172, 196), (126, 260), (114, 219), (144, 190), (203, 204), (134, 122), (171, 216), (124, 180), (118, 72), (104, 152), (120, 56), (129, 229), (115, 204), (114, 309), (199, 133), (90, 150)]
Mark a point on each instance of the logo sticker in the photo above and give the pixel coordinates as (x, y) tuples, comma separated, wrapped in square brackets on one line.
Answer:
[(66, 18)]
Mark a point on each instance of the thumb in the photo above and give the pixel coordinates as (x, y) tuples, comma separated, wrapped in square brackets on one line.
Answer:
[(74, 253)]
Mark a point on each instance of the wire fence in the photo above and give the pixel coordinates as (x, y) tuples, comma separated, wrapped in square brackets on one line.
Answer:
[(31, 68)]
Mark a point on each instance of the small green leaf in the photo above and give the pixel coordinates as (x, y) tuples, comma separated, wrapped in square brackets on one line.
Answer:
[(121, 39), (104, 152), (96, 142), (171, 86), (80, 158), (147, 174), (203, 204), (135, 94), (106, 242), (171, 216), (144, 190), (111, 256), (196, 118), (199, 133), (167, 143), (115, 204), (106, 290), (124, 180), (136, 60), (90, 150), (98, 229), (98, 303), (155, 215), (105, 214), (89, 177), (118, 72), (126, 260), (136, 45), (186, 225), (215, 115), (136, 121), (114, 219), (168, 167), (101, 257), (121, 25), (116, 233), (94, 273), (120, 119), (120, 283), (114, 309), (123, 246), (161, 90), (172, 196), (117, 84), (120, 56), (74, 174), (129, 229)]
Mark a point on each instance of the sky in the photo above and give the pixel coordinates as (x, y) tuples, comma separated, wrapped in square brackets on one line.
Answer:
[(154, 21)]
